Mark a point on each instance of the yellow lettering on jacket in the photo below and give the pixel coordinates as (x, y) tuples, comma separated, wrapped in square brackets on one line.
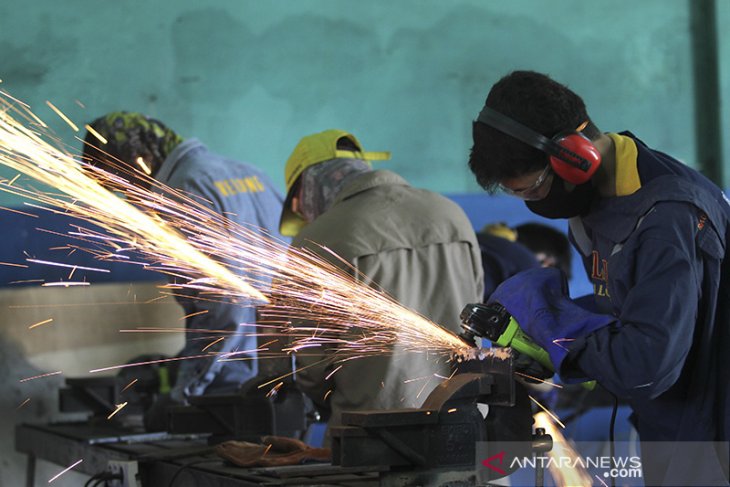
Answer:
[(221, 188), (239, 185), (601, 290), (233, 186)]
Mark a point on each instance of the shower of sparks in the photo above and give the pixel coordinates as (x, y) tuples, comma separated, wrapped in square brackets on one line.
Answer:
[(129, 227), (41, 376), (119, 408), (64, 471), (326, 394), (14, 265), (547, 411), (23, 404), (40, 323), (563, 473), (316, 302), (129, 385), (136, 364)]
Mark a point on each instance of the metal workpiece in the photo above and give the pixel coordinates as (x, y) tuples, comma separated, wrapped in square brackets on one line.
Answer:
[(481, 404)]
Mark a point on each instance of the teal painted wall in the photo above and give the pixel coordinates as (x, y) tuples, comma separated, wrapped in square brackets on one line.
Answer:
[(250, 77)]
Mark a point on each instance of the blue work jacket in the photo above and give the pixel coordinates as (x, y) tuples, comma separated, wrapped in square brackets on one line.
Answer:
[(246, 196), (655, 255)]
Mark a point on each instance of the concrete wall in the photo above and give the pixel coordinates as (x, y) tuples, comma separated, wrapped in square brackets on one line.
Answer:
[(250, 77)]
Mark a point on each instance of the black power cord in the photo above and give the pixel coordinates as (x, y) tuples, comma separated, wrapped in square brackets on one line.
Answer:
[(92, 478), (102, 477)]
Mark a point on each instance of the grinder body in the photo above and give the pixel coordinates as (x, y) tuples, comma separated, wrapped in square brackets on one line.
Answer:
[(493, 322)]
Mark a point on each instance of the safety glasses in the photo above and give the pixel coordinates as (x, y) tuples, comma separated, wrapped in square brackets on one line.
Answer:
[(531, 192)]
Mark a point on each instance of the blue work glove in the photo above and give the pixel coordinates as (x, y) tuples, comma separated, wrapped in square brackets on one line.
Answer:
[(538, 300)]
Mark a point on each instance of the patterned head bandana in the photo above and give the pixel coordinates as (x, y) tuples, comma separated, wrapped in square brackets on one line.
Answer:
[(130, 135), (322, 183)]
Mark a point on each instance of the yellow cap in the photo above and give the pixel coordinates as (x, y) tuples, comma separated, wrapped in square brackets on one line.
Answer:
[(500, 230), (311, 150)]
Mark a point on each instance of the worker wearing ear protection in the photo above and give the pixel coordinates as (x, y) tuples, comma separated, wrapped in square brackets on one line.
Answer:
[(415, 245), (653, 234)]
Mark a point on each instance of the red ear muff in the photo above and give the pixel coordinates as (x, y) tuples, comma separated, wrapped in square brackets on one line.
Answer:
[(573, 156), (576, 160)]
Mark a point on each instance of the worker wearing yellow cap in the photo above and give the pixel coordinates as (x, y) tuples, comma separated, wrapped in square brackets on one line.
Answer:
[(416, 245)]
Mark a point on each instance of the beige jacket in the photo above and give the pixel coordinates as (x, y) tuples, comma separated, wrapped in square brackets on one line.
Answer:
[(417, 246)]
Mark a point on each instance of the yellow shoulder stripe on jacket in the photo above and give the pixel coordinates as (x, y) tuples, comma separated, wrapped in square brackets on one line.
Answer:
[(627, 172)]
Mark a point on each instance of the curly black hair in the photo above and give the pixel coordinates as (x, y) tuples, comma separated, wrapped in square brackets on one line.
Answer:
[(534, 100)]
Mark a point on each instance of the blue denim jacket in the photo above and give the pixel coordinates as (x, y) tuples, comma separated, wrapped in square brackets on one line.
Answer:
[(246, 196)]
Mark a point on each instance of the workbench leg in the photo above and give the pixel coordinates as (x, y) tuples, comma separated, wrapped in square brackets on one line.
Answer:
[(30, 471)]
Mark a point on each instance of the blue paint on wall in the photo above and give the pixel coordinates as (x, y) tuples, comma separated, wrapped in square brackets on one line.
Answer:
[(47, 237)]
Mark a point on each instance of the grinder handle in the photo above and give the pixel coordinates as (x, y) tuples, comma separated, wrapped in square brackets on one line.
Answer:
[(514, 337)]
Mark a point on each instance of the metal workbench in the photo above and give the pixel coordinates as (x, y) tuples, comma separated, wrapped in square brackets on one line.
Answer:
[(166, 460)]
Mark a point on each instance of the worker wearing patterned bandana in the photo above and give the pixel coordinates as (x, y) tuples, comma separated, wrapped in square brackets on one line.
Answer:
[(236, 190)]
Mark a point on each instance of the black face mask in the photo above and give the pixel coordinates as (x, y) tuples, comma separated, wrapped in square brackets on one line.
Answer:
[(561, 203)]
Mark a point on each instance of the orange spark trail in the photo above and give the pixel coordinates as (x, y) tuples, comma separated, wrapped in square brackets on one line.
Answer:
[(13, 210), (66, 284), (40, 323), (129, 385), (119, 408), (537, 379), (62, 115), (41, 376), (212, 343), (555, 418)]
